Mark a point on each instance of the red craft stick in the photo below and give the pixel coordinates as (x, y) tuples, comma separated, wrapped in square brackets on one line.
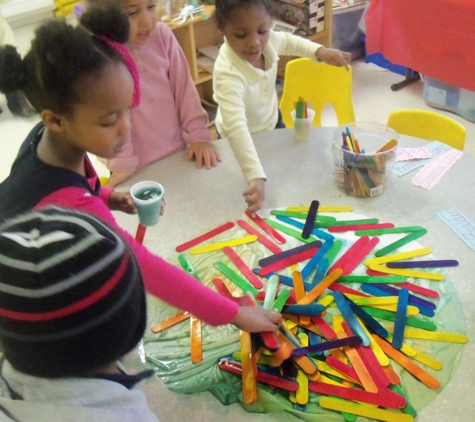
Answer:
[(324, 328), (376, 273), (344, 369), (348, 255), (287, 262), (266, 227), (264, 262), (360, 255), (260, 237), (334, 229), (241, 265), (418, 289), (140, 234), (344, 289), (203, 237)]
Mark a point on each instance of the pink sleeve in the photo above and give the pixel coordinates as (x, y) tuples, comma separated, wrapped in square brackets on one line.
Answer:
[(161, 278), (105, 194), (193, 117), (126, 160)]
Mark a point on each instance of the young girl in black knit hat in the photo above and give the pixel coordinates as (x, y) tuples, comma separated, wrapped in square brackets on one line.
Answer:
[(72, 302), (83, 81)]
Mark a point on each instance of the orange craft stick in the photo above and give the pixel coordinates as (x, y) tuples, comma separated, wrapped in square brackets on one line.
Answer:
[(393, 377), (300, 293), (320, 287), (175, 319), (407, 364), (196, 348), (249, 369)]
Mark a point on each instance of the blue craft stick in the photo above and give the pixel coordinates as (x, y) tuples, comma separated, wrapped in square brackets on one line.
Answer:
[(368, 320), (322, 235), (319, 233), (310, 310), (413, 300), (321, 272), (309, 222), (400, 322), (375, 291), (316, 259), (350, 318), (283, 278)]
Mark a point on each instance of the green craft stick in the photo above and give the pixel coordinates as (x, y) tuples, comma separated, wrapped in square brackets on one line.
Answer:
[(324, 224), (368, 279), (236, 278), (301, 215), (186, 265), (333, 252), (391, 316), (378, 232), (291, 232), (398, 243), (281, 299), (407, 409)]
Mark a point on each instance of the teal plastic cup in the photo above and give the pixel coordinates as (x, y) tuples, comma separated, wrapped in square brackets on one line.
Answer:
[(147, 197)]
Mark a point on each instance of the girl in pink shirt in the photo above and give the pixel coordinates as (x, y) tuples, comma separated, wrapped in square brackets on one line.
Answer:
[(170, 117)]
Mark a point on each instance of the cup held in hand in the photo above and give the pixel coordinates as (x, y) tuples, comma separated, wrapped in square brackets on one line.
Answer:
[(147, 197), (303, 127)]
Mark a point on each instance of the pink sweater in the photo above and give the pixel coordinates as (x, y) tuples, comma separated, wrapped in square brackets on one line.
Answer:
[(170, 113), (161, 278)]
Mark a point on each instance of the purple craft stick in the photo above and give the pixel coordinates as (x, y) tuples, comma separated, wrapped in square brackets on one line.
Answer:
[(310, 220), (414, 300), (264, 262), (424, 264), (349, 341)]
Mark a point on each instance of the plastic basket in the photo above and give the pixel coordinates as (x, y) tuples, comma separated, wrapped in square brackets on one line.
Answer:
[(283, 26)]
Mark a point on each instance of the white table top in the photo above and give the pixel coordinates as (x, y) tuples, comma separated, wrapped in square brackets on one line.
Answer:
[(299, 172)]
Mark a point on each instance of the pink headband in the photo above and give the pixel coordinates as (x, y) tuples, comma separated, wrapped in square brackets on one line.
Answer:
[(129, 62)]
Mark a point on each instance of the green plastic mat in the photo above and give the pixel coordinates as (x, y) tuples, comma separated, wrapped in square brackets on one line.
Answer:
[(169, 351)]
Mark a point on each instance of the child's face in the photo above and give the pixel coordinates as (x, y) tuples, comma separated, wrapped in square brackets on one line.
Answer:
[(100, 123), (142, 17), (247, 32)]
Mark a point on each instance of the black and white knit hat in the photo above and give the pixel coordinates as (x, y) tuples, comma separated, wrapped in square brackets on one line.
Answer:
[(71, 294)]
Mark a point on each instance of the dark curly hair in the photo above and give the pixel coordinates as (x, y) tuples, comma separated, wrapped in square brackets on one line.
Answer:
[(61, 55), (225, 8)]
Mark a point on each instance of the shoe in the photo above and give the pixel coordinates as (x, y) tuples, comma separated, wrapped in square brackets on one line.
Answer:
[(19, 105)]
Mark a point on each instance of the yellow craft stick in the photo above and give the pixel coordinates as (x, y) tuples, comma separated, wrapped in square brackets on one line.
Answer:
[(321, 209), (380, 355), (220, 245), (427, 361), (326, 301), (405, 348), (411, 310), (410, 332), (301, 395), (327, 380), (320, 287), (249, 369), (327, 369), (365, 410), (398, 256), (407, 273)]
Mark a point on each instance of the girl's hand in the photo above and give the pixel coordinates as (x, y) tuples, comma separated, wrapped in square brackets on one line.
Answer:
[(118, 177), (203, 152), (122, 201), (255, 319), (254, 196), (333, 56)]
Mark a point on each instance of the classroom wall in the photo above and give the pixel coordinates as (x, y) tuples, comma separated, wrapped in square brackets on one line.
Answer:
[(25, 12)]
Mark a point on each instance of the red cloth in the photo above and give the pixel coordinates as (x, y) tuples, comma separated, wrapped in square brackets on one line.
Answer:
[(433, 37)]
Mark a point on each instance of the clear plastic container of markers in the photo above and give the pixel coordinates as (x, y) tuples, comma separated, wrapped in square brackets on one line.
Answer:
[(363, 157)]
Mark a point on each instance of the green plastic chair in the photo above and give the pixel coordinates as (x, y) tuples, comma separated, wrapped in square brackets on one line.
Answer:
[(428, 125), (320, 84)]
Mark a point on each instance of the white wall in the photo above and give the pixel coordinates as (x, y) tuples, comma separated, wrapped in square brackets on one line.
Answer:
[(24, 12)]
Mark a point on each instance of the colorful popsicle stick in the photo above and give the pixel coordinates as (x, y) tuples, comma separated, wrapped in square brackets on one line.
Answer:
[(401, 242), (241, 265), (140, 233), (260, 237), (348, 255), (390, 316), (398, 256), (339, 229), (320, 288), (266, 227), (220, 245), (366, 279), (236, 278), (316, 259), (204, 237), (407, 364), (364, 410), (264, 262), (379, 232), (249, 369), (350, 341), (312, 213), (358, 257), (288, 230), (271, 291), (407, 273), (196, 343), (187, 265), (400, 322), (286, 262), (169, 322), (281, 299), (322, 209), (434, 335), (424, 264)]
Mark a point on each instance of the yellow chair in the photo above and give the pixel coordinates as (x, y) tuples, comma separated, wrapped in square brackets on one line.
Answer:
[(428, 125), (320, 84)]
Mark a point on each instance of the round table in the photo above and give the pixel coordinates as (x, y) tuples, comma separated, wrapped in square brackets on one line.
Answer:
[(299, 172)]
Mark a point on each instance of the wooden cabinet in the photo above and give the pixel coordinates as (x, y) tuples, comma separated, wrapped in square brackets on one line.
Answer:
[(198, 32)]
